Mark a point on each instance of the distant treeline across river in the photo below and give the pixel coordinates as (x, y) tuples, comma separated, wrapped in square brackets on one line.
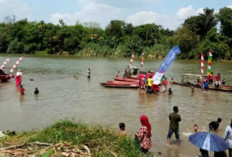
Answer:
[(196, 35)]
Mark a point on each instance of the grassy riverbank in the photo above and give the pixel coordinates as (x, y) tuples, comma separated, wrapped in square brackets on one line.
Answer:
[(68, 135)]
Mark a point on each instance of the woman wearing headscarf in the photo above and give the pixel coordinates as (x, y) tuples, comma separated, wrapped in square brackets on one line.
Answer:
[(144, 134), (228, 137)]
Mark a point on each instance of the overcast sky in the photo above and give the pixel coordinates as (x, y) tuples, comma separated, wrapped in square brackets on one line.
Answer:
[(168, 13)]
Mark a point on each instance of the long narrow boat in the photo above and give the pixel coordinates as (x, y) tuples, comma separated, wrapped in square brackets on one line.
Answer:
[(224, 88), (125, 79), (5, 78), (120, 84), (186, 81)]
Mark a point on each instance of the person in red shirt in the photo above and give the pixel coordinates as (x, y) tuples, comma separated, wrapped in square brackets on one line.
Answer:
[(117, 75), (155, 88), (148, 74), (144, 134), (141, 75), (152, 74), (211, 79), (218, 80)]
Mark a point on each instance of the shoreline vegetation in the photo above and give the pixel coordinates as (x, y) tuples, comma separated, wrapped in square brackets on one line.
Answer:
[(196, 35), (66, 137)]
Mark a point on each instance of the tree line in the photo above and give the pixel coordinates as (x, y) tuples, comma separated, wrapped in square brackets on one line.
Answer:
[(196, 35)]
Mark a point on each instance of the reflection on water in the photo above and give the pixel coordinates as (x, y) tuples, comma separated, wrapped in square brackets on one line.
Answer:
[(63, 96)]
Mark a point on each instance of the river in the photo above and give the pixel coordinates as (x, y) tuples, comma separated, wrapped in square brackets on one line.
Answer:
[(63, 96)]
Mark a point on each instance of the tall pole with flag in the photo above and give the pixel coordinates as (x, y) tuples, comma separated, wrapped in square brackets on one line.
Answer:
[(16, 64), (210, 57), (202, 64), (4, 63), (132, 59), (142, 60)]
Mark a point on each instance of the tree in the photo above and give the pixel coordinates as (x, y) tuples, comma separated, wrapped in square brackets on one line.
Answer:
[(207, 21), (202, 23), (193, 23), (149, 33), (225, 17), (4, 39), (15, 47), (214, 41), (186, 39), (115, 28)]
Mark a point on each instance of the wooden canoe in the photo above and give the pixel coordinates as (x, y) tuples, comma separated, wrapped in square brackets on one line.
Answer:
[(125, 79), (120, 84), (223, 88)]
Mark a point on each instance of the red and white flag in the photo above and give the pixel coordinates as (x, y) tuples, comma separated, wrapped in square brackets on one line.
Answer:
[(4, 63), (202, 64), (142, 60), (132, 59), (16, 64)]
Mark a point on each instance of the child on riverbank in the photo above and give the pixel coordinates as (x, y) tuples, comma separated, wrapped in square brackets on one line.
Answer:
[(122, 128)]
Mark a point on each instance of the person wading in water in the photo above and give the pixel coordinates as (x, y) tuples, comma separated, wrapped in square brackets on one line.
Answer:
[(174, 125)]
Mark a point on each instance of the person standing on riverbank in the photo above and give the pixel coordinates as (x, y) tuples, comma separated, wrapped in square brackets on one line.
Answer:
[(174, 125), (228, 137), (144, 134)]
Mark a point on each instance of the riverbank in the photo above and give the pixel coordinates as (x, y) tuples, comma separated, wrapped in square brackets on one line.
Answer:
[(69, 138)]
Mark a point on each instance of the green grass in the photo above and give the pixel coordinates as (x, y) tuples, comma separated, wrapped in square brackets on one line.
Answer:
[(101, 141)]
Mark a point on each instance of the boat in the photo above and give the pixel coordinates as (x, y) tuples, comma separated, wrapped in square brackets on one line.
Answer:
[(191, 80), (125, 79), (120, 84), (4, 77)]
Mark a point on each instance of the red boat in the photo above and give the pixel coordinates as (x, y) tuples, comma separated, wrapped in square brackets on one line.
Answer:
[(3, 76), (120, 84), (125, 79)]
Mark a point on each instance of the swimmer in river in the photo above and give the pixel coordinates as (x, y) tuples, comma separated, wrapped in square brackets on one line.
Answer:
[(36, 92)]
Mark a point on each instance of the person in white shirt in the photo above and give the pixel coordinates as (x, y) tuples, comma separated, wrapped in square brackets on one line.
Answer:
[(19, 73), (228, 137)]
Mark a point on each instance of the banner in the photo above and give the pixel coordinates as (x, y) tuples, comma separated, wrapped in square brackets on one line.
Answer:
[(165, 64)]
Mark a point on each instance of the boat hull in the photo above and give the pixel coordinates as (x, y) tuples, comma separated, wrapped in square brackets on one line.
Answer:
[(5, 78), (120, 84), (126, 79), (224, 88)]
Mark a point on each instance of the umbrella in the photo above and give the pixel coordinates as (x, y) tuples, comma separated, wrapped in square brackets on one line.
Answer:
[(208, 141)]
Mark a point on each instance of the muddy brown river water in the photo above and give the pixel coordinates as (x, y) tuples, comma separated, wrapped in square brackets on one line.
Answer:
[(63, 96)]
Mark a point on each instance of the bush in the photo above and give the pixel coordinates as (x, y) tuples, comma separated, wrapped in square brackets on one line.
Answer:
[(44, 52), (101, 141)]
